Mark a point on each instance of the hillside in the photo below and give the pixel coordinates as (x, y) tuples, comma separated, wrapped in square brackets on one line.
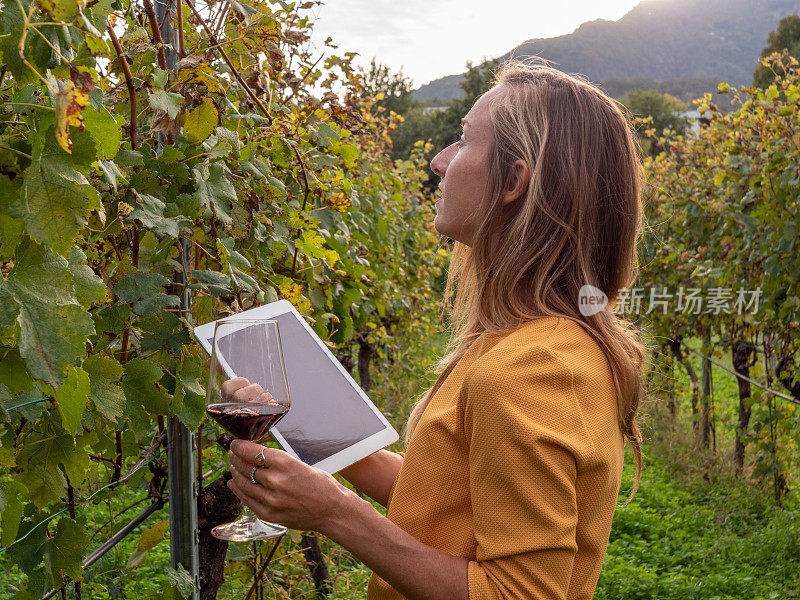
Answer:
[(659, 40)]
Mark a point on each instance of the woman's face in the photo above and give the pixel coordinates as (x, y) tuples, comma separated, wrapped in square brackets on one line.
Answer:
[(463, 167)]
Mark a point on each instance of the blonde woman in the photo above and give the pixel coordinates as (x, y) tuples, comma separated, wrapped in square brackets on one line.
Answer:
[(514, 458)]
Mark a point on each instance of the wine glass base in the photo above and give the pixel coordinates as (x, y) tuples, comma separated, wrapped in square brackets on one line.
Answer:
[(247, 529)]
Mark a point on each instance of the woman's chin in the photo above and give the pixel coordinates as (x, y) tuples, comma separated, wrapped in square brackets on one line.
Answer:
[(437, 224)]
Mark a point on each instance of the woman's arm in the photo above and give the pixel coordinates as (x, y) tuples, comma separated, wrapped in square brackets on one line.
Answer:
[(375, 474), (415, 570), (299, 496)]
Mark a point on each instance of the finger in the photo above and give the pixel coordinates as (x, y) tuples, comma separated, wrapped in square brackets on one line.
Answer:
[(248, 450), (248, 393), (262, 509), (244, 466), (253, 503), (258, 490), (230, 386)]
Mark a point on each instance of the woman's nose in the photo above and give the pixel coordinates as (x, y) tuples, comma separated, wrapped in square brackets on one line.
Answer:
[(438, 164)]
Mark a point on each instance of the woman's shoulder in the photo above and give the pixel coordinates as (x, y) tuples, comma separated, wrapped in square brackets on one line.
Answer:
[(555, 373), (549, 357), (560, 338)]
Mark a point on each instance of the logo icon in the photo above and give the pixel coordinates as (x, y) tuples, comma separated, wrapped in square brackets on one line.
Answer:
[(591, 300)]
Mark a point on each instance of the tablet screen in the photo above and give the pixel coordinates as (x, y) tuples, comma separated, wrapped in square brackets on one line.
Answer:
[(327, 415)]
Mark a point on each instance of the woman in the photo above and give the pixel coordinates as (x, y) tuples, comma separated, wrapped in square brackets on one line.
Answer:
[(514, 458)]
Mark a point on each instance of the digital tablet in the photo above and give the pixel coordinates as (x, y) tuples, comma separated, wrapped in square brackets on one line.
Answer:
[(331, 422)]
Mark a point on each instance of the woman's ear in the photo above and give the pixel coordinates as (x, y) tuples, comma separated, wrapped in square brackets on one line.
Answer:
[(521, 177)]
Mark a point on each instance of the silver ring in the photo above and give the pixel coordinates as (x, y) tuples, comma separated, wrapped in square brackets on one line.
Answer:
[(260, 459), (252, 475)]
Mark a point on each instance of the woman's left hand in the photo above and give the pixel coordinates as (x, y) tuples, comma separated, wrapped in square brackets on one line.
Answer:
[(287, 491)]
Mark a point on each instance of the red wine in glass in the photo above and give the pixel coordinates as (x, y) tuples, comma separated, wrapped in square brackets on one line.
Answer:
[(246, 420), (247, 393)]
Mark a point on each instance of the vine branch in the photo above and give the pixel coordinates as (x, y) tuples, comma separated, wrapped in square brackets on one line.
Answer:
[(151, 17), (236, 74), (129, 81)]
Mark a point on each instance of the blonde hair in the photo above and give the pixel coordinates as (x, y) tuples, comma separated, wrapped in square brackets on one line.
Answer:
[(578, 223)]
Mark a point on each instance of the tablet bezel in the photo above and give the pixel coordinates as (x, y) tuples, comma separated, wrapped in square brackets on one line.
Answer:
[(345, 457)]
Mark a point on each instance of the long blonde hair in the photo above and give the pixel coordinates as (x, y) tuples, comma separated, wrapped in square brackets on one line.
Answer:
[(578, 223)]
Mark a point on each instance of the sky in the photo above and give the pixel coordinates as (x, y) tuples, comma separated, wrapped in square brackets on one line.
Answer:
[(428, 39)]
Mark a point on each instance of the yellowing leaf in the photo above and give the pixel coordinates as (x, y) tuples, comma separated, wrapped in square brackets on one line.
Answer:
[(149, 539), (331, 256), (201, 121), (70, 103), (60, 10)]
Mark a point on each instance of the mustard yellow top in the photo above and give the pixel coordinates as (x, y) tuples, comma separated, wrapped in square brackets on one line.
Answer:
[(516, 465)]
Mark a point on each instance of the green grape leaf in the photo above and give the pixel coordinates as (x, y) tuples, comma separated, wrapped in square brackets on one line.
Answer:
[(29, 554), (58, 196), (41, 275), (149, 210), (214, 282), (71, 397), (51, 337), (24, 95), (348, 152), (11, 494), (200, 122), (180, 581), (9, 309), (112, 173), (215, 193), (160, 78), (104, 375), (65, 550), (53, 327), (163, 330), (130, 158), (75, 459), (141, 386), (89, 288), (33, 396), (5, 402), (112, 319), (145, 292), (138, 418), (167, 101), (325, 135), (12, 223), (191, 392), (39, 462), (36, 51), (227, 143), (104, 129)]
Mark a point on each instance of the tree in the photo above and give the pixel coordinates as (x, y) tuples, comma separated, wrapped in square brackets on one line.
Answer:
[(785, 37), (442, 126), (654, 110), (439, 124), (391, 91)]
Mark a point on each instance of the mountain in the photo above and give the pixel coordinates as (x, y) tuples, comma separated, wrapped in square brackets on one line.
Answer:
[(701, 41)]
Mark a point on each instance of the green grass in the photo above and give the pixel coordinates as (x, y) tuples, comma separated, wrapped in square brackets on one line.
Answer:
[(722, 541)]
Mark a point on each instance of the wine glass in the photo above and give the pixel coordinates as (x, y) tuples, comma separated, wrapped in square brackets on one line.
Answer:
[(249, 349)]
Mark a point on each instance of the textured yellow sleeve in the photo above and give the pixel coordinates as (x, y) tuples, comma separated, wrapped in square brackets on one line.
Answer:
[(524, 428)]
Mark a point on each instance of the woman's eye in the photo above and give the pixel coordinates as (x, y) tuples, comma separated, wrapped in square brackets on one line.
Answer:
[(460, 140)]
